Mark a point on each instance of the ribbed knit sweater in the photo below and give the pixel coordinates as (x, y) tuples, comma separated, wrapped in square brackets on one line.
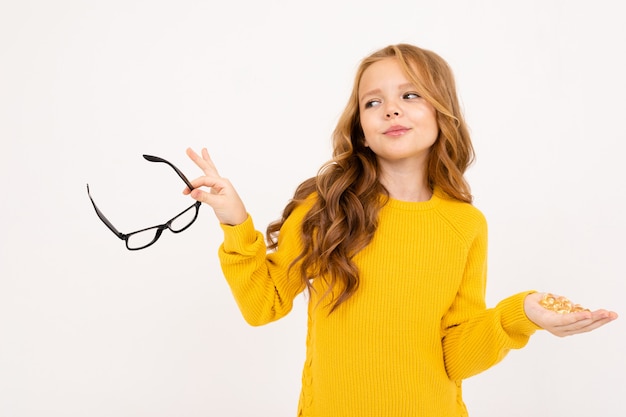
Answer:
[(417, 325)]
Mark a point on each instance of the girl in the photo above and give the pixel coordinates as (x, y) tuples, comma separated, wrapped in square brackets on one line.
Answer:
[(390, 249)]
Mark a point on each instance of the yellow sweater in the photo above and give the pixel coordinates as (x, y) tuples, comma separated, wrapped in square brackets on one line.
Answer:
[(416, 327)]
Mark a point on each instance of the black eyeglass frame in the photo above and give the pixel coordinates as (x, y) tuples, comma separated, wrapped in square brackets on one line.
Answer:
[(160, 228)]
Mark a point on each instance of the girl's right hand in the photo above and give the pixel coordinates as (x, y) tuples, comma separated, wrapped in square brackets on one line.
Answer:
[(565, 324), (222, 197)]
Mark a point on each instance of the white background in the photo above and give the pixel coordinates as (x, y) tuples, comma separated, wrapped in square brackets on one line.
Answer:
[(88, 328)]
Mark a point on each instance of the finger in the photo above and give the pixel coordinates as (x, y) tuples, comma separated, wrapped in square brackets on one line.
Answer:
[(589, 327), (204, 197), (593, 315), (592, 321), (216, 184), (197, 159), (209, 162), (206, 181), (203, 162)]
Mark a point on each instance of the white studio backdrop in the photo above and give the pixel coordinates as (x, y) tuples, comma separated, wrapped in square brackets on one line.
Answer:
[(88, 328)]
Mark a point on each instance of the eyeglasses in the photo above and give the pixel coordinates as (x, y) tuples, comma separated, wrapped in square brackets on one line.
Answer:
[(143, 238)]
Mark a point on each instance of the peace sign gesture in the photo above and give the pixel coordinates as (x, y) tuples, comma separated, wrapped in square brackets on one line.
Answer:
[(222, 197)]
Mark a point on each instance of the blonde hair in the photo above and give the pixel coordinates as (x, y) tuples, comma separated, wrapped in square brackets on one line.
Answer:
[(344, 217)]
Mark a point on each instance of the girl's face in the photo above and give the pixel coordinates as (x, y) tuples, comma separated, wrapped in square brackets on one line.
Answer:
[(399, 125)]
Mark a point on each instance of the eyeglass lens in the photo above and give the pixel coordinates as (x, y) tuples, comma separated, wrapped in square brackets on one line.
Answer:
[(146, 237)]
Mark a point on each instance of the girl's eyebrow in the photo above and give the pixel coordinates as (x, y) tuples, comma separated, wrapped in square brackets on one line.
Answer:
[(406, 86), (377, 91), (373, 92)]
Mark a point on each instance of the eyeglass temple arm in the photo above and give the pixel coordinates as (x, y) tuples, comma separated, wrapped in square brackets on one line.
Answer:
[(152, 158), (104, 219)]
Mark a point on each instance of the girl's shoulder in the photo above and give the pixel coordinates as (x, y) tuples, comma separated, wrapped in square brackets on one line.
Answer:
[(458, 207), (465, 218)]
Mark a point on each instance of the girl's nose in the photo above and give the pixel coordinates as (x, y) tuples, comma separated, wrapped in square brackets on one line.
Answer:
[(389, 114), (392, 109)]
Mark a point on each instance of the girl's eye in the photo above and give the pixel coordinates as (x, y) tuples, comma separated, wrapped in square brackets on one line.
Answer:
[(372, 103), (409, 96)]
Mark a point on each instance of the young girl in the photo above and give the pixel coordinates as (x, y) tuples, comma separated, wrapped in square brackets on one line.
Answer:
[(391, 251)]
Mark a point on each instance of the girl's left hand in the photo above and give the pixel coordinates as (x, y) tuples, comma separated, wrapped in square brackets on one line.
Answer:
[(565, 324)]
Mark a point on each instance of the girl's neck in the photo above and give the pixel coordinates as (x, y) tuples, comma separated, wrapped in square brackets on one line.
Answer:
[(407, 186)]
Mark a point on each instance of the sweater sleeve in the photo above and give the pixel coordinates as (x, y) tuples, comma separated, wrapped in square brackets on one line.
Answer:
[(474, 337), (263, 284)]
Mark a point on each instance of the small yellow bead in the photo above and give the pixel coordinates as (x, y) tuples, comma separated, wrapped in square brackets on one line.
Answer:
[(560, 304)]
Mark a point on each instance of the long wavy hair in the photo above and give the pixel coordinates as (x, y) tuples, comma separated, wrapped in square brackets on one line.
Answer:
[(344, 216)]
